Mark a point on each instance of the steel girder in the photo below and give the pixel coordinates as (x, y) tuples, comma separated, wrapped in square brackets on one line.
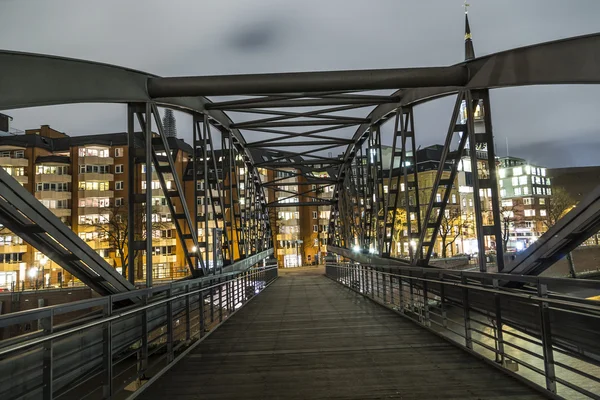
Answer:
[(574, 228), (23, 214)]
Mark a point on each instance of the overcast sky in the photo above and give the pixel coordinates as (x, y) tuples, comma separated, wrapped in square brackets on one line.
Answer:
[(553, 126)]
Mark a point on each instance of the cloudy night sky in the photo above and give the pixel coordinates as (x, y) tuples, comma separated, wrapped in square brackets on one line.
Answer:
[(553, 126)]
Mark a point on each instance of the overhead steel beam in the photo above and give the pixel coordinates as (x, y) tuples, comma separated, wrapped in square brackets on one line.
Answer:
[(317, 122), (275, 144), (227, 85), (320, 102)]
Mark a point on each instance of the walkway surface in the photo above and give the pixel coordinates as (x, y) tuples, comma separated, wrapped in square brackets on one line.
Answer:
[(307, 337)]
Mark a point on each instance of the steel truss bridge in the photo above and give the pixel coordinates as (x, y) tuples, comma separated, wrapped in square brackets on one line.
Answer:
[(304, 121)]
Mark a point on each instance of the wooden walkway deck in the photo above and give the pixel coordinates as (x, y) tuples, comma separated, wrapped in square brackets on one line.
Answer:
[(307, 337)]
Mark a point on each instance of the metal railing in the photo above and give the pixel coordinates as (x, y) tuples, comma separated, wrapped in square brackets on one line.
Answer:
[(108, 347), (543, 338)]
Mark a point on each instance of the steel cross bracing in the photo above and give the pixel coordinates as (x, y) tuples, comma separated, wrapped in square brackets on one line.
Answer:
[(406, 157), (160, 156)]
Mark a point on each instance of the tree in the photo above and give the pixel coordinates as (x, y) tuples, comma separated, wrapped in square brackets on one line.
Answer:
[(507, 219), (559, 204), (399, 220), (115, 229), (451, 228)]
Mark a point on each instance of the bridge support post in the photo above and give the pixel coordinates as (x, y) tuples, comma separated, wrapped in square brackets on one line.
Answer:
[(485, 178)]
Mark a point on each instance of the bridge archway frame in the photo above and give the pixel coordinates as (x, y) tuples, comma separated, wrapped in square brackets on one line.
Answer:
[(29, 80)]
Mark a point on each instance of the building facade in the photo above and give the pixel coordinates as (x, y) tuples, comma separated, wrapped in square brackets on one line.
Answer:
[(525, 190)]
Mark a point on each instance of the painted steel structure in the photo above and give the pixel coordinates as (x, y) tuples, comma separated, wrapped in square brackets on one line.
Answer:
[(324, 106)]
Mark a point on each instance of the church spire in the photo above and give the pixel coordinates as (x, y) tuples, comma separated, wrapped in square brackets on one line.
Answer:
[(469, 50)]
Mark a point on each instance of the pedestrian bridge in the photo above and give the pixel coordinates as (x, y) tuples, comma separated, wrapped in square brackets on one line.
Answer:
[(345, 331)]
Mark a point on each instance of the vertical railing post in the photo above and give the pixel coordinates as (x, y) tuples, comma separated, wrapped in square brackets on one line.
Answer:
[(467, 313), (201, 313), (425, 304), (211, 293), (443, 301), (546, 331), (107, 351), (411, 299), (143, 362), (188, 311), (220, 300), (383, 281), (400, 295), (377, 273), (499, 324), (391, 289), (48, 357), (170, 354)]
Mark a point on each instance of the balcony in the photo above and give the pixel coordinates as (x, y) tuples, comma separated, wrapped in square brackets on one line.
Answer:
[(96, 177), (160, 259), (53, 195), (61, 212), (95, 160), (14, 162), (95, 193), (13, 248), (22, 179), (97, 244), (286, 252), (52, 178), (161, 209), (288, 222), (164, 242), (286, 236)]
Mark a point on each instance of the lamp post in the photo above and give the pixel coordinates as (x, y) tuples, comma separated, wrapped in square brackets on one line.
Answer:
[(33, 275), (43, 262)]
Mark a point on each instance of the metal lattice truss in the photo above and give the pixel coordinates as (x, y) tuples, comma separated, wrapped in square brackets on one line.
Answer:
[(322, 128)]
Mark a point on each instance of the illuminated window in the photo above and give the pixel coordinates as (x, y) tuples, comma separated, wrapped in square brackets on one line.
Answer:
[(515, 181), (543, 171), (517, 171), (517, 191), (502, 173), (542, 213), (527, 169), (542, 201), (529, 213), (523, 180), (525, 189), (528, 201), (507, 203)]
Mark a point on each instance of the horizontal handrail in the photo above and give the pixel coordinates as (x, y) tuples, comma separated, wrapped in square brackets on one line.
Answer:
[(518, 325), (69, 331)]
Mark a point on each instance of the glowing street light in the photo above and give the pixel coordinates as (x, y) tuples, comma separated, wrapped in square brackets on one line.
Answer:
[(194, 249), (33, 272), (357, 249)]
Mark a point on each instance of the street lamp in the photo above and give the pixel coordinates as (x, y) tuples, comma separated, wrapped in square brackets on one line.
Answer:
[(43, 262), (33, 274)]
